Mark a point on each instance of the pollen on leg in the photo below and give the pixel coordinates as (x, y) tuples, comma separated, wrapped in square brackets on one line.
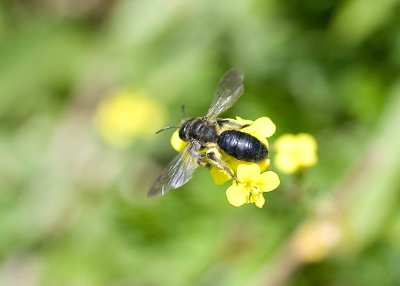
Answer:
[(213, 153)]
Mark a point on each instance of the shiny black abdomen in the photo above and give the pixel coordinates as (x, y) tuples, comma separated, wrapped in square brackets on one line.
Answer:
[(242, 146)]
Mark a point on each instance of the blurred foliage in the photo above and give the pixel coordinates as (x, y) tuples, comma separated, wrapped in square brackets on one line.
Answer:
[(74, 211)]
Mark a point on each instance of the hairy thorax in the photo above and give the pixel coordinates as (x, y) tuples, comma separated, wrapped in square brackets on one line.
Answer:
[(199, 130)]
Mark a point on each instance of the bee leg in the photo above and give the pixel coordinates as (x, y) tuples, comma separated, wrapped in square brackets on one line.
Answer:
[(214, 157), (203, 162), (230, 124)]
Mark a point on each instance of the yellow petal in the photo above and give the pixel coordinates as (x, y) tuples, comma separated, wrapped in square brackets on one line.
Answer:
[(309, 159), (285, 163), (306, 142), (268, 181), (237, 195), (219, 177), (177, 143), (234, 163), (259, 200), (285, 143), (264, 164), (265, 127), (261, 128), (308, 146), (244, 121), (247, 172)]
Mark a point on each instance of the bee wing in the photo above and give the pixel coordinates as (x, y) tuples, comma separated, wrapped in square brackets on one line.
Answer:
[(179, 171), (229, 89)]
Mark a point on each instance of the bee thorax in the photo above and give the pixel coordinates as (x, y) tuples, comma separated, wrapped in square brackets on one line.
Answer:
[(199, 130)]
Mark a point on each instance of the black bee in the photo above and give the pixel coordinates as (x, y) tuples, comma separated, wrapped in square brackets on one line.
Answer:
[(206, 136)]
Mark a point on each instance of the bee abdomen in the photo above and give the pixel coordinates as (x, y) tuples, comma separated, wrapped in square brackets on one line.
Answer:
[(242, 146)]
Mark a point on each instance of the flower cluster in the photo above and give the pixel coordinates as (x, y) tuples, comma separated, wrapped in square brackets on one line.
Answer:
[(253, 179), (126, 115)]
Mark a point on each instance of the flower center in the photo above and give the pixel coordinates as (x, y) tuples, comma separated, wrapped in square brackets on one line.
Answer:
[(253, 189)]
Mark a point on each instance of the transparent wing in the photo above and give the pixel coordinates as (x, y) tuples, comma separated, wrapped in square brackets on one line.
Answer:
[(179, 171), (229, 89)]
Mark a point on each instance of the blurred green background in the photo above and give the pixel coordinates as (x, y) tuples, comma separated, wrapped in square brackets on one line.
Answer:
[(73, 209)]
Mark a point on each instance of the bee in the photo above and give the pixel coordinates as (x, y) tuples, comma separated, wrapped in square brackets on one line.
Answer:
[(207, 136)]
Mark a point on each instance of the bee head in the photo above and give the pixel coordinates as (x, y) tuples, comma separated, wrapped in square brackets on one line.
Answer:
[(184, 130)]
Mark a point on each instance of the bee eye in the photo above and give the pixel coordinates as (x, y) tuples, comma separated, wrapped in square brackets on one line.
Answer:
[(182, 131)]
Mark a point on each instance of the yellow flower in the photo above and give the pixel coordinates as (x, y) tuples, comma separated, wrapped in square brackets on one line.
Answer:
[(252, 183), (125, 115), (295, 152)]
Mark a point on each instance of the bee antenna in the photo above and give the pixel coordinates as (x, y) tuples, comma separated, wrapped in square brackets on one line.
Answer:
[(183, 111), (166, 128)]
